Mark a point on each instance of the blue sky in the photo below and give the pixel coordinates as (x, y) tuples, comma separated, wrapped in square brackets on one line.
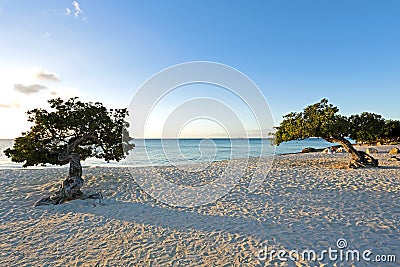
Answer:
[(297, 52)]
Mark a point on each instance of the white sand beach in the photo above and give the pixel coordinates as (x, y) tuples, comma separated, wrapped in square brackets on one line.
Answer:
[(307, 201)]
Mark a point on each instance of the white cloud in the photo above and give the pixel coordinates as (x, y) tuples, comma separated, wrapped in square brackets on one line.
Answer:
[(64, 92), (22, 91), (5, 106), (46, 35), (45, 75), (13, 105), (29, 89), (77, 9)]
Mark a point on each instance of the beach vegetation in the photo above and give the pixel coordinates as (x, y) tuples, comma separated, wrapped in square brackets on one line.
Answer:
[(367, 128), (69, 132), (391, 132), (322, 120)]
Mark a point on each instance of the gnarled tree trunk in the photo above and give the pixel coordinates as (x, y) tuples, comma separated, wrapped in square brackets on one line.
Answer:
[(360, 159), (71, 187)]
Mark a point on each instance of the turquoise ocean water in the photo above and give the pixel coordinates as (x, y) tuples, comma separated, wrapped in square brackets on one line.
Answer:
[(165, 152)]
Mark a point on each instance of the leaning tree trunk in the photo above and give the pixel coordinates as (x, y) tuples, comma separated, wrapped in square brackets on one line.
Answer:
[(360, 159), (71, 187)]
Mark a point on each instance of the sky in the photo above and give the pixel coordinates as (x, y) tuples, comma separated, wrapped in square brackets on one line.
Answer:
[(296, 52)]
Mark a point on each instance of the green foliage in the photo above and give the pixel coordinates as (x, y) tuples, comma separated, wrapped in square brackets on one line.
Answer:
[(391, 132), (317, 120), (367, 127), (322, 120), (68, 121)]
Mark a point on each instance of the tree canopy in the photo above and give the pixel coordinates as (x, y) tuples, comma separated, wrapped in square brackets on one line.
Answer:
[(391, 132), (317, 120), (366, 127), (323, 120), (94, 131)]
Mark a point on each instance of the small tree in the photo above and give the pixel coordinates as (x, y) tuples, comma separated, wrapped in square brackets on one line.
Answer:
[(367, 127), (321, 120), (71, 132)]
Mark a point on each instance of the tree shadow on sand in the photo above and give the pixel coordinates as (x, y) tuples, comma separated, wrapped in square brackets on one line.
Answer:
[(181, 220), (305, 232)]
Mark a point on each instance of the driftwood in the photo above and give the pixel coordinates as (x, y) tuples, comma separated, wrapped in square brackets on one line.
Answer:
[(71, 187)]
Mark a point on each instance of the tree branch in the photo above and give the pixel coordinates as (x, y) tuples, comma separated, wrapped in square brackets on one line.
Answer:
[(65, 156)]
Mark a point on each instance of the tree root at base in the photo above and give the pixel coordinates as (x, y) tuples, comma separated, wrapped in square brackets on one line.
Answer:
[(58, 199), (363, 161)]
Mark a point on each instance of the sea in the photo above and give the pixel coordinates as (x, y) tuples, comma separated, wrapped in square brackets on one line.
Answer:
[(167, 152)]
